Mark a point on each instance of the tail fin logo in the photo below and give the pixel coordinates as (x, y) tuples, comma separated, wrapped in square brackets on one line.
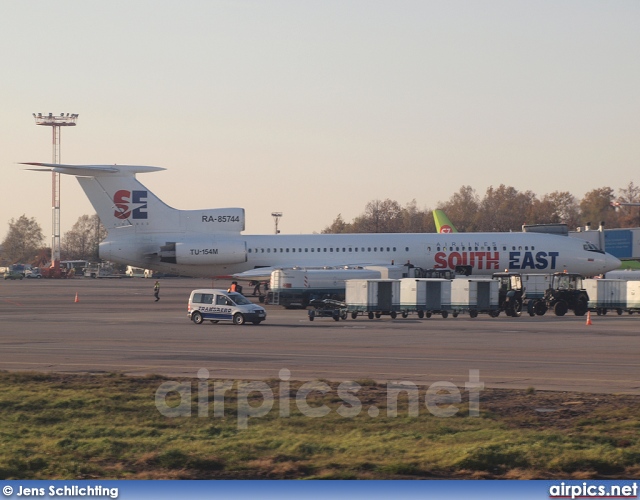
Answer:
[(123, 200), (446, 229)]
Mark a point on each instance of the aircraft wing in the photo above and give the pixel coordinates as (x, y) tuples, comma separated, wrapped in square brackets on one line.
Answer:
[(264, 273)]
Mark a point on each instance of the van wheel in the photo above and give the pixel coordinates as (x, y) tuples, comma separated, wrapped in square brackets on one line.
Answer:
[(238, 319), (196, 317)]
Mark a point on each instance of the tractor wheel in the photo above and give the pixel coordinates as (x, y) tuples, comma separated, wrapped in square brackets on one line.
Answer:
[(560, 308)]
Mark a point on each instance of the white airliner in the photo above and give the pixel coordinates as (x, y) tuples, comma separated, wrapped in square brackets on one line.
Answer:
[(145, 232)]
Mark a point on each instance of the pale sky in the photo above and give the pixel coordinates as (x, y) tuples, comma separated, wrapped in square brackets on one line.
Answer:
[(316, 108)]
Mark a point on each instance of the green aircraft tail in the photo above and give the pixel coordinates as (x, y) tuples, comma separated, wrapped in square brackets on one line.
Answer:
[(443, 224)]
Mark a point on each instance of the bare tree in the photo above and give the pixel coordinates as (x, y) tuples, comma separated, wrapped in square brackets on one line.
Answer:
[(629, 216), (82, 240)]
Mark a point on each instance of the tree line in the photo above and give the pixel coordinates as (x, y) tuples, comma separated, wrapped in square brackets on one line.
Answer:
[(25, 241), (500, 209)]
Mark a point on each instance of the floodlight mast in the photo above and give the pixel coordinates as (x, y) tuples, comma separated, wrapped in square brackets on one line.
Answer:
[(276, 217), (55, 122)]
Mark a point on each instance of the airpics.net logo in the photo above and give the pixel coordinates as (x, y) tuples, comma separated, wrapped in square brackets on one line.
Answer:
[(174, 399)]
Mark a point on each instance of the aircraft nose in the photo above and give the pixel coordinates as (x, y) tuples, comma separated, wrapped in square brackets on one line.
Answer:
[(611, 262)]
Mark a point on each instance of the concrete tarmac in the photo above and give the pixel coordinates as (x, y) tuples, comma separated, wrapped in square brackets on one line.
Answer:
[(117, 327)]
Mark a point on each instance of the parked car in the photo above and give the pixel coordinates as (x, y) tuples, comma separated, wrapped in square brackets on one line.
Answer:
[(33, 273), (13, 275)]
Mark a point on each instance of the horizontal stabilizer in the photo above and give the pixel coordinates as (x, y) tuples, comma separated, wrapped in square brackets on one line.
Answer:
[(93, 170)]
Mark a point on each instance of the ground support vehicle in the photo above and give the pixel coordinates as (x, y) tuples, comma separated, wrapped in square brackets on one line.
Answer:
[(13, 275), (633, 296), (510, 293), (606, 295), (475, 296), (219, 305), (327, 308), (373, 298), (425, 296), (566, 293), (33, 274), (296, 288)]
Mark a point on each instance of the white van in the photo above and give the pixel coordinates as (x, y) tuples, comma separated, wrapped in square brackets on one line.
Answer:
[(220, 305)]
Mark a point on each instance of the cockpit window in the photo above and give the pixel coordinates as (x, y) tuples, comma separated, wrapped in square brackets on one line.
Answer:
[(590, 247)]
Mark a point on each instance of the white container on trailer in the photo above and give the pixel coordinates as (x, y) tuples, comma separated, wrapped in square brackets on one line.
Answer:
[(606, 294), (475, 295), (633, 296), (431, 295), (373, 296), (536, 284)]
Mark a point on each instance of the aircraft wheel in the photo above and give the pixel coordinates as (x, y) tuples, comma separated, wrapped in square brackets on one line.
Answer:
[(196, 317), (238, 319)]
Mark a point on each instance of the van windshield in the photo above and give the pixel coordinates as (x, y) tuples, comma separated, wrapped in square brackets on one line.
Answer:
[(239, 299)]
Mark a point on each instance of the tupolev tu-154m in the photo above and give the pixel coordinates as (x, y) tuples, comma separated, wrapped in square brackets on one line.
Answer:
[(145, 232)]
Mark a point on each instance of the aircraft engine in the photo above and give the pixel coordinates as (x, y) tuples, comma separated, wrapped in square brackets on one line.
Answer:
[(204, 252)]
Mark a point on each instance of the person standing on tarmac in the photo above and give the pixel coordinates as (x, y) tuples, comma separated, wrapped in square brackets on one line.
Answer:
[(156, 291)]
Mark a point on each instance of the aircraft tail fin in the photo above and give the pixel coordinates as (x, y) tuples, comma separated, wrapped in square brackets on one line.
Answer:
[(119, 199), (443, 224), (124, 203)]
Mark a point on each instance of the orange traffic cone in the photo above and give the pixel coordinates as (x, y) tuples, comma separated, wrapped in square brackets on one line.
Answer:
[(589, 318), (77, 299)]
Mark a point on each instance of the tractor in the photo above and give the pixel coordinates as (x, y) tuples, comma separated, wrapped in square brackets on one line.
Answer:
[(510, 293), (566, 293)]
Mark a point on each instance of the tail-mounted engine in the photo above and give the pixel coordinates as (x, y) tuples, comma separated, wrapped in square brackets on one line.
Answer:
[(204, 252)]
